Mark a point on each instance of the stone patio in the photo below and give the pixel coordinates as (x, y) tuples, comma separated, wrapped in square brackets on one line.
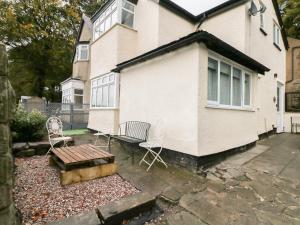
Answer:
[(260, 186)]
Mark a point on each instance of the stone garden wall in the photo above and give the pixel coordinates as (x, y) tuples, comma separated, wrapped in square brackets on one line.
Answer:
[(7, 107)]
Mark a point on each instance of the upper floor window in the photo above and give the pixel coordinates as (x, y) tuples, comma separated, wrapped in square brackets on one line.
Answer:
[(262, 21), (276, 34), (119, 11), (82, 53), (104, 91), (228, 85)]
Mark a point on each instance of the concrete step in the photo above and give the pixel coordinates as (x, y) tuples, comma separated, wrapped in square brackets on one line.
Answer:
[(126, 209)]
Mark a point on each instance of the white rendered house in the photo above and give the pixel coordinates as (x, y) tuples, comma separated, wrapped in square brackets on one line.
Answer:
[(216, 77)]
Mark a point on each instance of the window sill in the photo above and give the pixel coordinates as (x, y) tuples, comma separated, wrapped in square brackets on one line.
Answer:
[(103, 108), (247, 109), (82, 60), (263, 31), (277, 46)]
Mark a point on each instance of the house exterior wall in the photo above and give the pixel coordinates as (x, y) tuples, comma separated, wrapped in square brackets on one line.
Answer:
[(162, 89), (172, 27), (245, 35), (222, 129), (153, 90), (115, 46), (86, 33)]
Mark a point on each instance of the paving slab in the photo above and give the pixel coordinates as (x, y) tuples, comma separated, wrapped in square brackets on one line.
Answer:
[(184, 218)]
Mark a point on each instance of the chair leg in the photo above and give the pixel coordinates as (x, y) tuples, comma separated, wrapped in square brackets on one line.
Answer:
[(143, 159)]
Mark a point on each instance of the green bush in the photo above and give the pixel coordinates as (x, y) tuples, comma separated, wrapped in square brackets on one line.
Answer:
[(28, 126)]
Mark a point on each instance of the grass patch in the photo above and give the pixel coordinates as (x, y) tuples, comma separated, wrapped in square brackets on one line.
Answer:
[(75, 132)]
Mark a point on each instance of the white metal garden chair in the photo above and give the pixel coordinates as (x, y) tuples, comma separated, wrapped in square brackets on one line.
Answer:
[(107, 134), (154, 148), (55, 133)]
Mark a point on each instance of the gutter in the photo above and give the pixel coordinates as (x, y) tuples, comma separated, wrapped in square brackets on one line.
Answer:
[(293, 62)]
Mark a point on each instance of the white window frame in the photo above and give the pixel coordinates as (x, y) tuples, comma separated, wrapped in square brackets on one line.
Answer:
[(67, 94), (107, 12), (78, 52), (276, 33), (217, 104), (116, 90), (262, 21)]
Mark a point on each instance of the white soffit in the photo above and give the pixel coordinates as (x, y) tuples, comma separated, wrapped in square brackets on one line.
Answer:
[(197, 7)]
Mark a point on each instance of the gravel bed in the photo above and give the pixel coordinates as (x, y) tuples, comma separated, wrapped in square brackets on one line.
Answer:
[(41, 199)]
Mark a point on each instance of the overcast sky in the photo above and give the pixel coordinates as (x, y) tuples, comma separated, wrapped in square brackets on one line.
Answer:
[(198, 6)]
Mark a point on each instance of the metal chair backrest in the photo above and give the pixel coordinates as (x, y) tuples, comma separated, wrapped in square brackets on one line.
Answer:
[(136, 129), (54, 126)]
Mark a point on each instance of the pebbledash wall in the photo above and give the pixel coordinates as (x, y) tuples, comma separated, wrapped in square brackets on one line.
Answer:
[(174, 86)]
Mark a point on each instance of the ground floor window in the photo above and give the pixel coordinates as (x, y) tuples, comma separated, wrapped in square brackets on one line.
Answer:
[(104, 91), (228, 84), (67, 96)]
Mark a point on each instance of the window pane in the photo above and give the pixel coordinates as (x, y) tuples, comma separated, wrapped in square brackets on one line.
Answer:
[(111, 99), (105, 79), (212, 80), (237, 87), (94, 97), (127, 18), (114, 17), (111, 77), (84, 53), (247, 89), (102, 28), (128, 6), (99, 97), (114, 5), (78, 100), (225, 82), (105, 96), (107, 23), (78, 91)]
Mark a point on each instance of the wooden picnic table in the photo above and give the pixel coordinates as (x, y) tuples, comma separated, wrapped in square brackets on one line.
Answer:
[(82, 162)]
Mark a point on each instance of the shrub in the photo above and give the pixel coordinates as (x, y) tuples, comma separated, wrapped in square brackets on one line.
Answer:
[(28, 126)]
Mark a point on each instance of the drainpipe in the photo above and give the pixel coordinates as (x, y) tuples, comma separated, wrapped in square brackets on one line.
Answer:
[(201, 20), (293, 62)]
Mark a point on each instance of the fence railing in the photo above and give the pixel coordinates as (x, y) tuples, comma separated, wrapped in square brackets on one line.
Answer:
[(73, 116), (292, 102)]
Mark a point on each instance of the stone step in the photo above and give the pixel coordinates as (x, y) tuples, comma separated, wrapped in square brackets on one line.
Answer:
[(126, 208)]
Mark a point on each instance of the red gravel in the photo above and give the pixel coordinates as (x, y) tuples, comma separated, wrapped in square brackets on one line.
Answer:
[(41, 199)]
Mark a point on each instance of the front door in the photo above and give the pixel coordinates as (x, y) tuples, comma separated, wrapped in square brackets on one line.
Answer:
[(280, 105)]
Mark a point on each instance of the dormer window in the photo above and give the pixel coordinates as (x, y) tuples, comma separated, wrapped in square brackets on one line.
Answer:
[(82, 53), (119, 11)]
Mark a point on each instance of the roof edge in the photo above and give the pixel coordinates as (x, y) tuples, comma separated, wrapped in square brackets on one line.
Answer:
[(212, 42)]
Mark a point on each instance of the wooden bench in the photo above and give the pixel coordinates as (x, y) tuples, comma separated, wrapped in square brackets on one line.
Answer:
[(133, 133), (82, 162)]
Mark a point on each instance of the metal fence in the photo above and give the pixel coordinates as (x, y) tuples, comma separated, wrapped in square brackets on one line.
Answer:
[(73, 116), (292, 102)]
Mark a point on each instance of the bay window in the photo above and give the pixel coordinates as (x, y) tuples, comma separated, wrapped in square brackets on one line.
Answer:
[(228, 85), (119, 11), (82, 52), (104, 91)]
